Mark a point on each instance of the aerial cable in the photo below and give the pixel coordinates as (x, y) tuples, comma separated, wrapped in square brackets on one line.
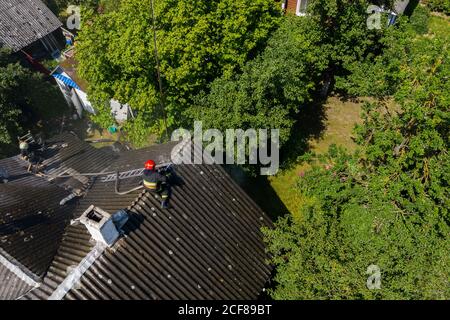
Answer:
[(158, 69)]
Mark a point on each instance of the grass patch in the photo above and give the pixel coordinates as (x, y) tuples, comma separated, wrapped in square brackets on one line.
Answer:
[(340, 117), (439, 25)]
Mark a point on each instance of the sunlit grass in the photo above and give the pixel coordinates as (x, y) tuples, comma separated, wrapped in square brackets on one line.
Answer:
[(341, 117), (440, 26)]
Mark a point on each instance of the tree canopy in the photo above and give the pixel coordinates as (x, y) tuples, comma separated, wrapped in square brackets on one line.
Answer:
[(198, 41), (25, 97), (439, 5), (385, 205), (272, 88)]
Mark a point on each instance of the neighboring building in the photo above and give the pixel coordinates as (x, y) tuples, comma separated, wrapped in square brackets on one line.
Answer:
[(208, 245), (297, 7), (24, 23), (76, 96)]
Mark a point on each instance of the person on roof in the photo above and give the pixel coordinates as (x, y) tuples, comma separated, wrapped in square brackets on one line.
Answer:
[(29, 148), (31, 151), (24, 146), (157, 182)]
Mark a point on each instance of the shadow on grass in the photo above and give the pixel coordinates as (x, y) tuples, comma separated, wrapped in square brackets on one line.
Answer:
[(310, 125), (259, 189), (411, 7)]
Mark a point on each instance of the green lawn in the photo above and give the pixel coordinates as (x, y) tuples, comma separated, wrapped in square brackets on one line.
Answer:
[(339, 121), (439, 24)]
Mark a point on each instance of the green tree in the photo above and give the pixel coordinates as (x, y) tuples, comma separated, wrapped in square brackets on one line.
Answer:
[(272, 88), (379, 75), (350, 224), (439, 5), (9, 110), (387, 204), (25, 98), (346, 37), (198, 41)]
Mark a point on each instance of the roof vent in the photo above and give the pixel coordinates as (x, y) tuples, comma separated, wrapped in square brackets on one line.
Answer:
[(102, 225)]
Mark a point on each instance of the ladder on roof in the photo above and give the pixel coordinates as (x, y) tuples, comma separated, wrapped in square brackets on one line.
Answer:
[(131, 173), (28, 138), (123, 175)]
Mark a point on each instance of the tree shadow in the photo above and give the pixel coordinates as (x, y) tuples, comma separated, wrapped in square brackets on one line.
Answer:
[(259, 189), (347, 98), (411, 7), (310, 125)]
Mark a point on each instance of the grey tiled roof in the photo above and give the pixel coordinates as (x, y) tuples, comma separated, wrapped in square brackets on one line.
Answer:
[(11, 286), (32, 221), (208, 245), (23, 22)]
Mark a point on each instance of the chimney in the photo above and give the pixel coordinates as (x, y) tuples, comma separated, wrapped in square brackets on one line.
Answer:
[(100, 224)]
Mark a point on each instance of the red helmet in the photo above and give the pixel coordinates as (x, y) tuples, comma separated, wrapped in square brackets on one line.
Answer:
[(150, 165)]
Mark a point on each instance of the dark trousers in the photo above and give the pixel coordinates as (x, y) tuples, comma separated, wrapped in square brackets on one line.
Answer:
[(163, 192)]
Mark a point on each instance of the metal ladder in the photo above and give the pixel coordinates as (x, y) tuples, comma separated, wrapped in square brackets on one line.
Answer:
[(123, 175), (28, 138), (130, 174)]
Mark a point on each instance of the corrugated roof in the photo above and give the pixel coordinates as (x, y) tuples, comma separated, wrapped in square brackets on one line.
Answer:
[(11, 286), (208, 245), (32, 221), (23, 22)]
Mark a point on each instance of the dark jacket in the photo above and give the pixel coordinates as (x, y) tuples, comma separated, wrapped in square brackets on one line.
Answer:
[(153, 179)]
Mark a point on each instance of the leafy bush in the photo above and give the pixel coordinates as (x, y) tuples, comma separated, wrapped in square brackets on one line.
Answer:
[(419, 20), (439, 5)]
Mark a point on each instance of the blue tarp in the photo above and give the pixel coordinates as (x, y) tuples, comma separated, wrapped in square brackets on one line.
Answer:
[(69, 82)]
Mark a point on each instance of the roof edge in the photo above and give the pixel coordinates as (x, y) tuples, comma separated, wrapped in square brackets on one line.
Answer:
[(22, 272)]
